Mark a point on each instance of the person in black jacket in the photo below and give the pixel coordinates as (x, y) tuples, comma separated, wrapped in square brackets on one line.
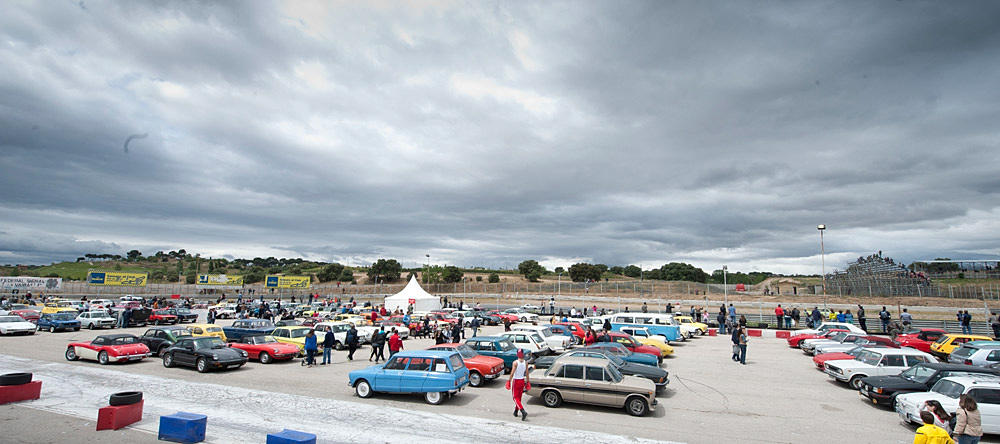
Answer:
[(328, 341), (378, 345), (352, 342), (735, 336)]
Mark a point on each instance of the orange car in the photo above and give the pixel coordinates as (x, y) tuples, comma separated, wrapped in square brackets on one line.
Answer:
[(482, 368)]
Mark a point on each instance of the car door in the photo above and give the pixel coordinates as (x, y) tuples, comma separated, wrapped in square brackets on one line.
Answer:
[(598, 390), (185, 353), (891, 364), (389, 377), (991, 358), (573, 386), (412, 379), (988, 403), (521, 341), (89, 351), (149, 338)]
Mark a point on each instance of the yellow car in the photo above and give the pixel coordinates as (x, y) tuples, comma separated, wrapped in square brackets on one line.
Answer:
[(351, 318), (702, 328), (206, 330), (295, 335), (951, 341), (644, 337), (58, 307)]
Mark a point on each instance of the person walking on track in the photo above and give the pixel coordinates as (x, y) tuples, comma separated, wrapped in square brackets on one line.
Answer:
[(518, 383)]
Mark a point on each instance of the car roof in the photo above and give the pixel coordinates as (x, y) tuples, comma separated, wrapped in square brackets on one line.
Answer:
[(950, 366), (962, 335), (982, 344), (426, 353), (983, 379), (897, 351), (488, 338), (580, 360), (447, 344)]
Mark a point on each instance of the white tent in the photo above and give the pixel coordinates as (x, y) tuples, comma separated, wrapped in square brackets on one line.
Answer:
[(413, 294)]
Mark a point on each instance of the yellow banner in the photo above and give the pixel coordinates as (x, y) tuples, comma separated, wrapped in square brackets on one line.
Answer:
[(117, 278), (287, 281), (220, 279)]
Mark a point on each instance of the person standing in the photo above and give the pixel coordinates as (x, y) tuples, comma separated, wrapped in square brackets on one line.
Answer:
[(371, 341), (721, 319), (966, 323), (779, 313), (456, 332), (861, 318), (817, 317), (906, 318), (732, 315), (328, 341), (995, 324), (848, 317), (518, 383), (475, 326), (735, 338), (438, 338), (506, 324), (968, 423), (884, 316), (352, 342), (743, 345), (795, 317), (590, 337), (310, 349), (378, 345), (395, 344)]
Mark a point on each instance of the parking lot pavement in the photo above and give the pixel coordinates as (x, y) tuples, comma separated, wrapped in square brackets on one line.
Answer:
[(777, 397)]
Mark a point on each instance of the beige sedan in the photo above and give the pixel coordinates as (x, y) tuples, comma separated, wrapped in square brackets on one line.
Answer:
[(592, 381)]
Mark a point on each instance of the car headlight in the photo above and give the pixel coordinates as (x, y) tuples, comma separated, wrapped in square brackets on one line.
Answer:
[(215, 357), (876, 390), (244, 353), (275, 351)]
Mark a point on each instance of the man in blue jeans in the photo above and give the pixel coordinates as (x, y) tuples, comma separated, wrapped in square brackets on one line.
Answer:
[(328, 341), (966, 323)]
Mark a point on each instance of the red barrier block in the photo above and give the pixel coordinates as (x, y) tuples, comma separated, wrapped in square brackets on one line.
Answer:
[(713, 332), (783, 334), (114, 417), (23, 392), (753, 332)]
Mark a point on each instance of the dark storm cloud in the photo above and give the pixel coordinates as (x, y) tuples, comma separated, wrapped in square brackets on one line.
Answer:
[(486, 134)]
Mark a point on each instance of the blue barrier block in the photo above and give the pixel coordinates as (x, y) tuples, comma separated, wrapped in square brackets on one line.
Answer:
[(291, 437), (183, 427)]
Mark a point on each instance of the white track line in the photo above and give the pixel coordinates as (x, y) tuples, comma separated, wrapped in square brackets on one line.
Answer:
[(237, 414)]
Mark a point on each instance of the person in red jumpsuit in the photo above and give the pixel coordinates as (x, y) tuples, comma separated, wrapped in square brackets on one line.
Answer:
[(518, 383)]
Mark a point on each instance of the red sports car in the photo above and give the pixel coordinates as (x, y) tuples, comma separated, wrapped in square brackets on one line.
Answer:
[(161, 316), (28, 315), (513, 318), (266, 348), (630, 343), (108, 348), (795, 340), (920, 338), (576, 328), (482, 368)]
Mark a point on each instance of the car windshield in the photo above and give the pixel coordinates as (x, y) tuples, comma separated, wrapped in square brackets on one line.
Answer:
[(856, 351), (839, 337), (257, 340), (182, 311), (948, 388), (537, 338), (918, 373), (125, 340), (178, 332), (64, 316), (506, 345), (11, 319), (208, 343), (868, 357), (466, 351), (298, 333)]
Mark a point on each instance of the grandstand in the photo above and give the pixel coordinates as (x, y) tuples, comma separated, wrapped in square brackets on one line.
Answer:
[(878, 275)]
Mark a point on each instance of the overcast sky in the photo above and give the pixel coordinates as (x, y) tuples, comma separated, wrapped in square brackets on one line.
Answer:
[(486, 133)]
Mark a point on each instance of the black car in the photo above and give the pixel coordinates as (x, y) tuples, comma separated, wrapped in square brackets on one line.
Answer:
[(159, 338), (204, 353), (183, 315), (659, 376), (919, 378), (288, 323)]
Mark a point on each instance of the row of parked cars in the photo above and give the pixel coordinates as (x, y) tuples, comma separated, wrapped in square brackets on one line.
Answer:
[(66, 315), (916, 366)]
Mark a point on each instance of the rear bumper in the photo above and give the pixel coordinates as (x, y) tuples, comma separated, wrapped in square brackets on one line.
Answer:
[(134, 357)]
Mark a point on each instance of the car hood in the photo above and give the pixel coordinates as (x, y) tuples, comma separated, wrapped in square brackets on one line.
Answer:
[(633, 368), (894, 383), (848, 363), (920, 397), (226, 353), (637, 383), (21, 324), (832, 357), (485, 361), (648, 349)]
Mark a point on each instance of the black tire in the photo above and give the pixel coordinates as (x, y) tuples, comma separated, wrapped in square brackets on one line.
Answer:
[(71, 354), (475, 379), (90, 326), (201, 365), (125, 398), (363, 389), (552, 399), (52, 329), (15, 378), (338, 345), (168, 361), (265, 358), (855, 382), (102, 357), (636, 406)]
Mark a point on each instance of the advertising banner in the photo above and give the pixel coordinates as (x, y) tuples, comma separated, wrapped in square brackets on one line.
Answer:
[(220, 279), (29, 283), (117, 279), (298, 282)]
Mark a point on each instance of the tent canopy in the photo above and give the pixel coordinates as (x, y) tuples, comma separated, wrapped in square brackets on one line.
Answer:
[(415, 295)]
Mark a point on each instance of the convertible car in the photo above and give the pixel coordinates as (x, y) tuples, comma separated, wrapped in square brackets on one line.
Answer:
[(109, 348), (266, 348)]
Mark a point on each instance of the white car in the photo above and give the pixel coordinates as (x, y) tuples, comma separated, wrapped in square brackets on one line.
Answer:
[(225, 312), (841, 347), (985, 389), (832, 326), (10, 325), (100, 303), (339, 330), (809, 345), (522, 315), (530, 307), (529, 341), (875, 362), (642, 332), (594, 322), (96, 319), (557, 342)]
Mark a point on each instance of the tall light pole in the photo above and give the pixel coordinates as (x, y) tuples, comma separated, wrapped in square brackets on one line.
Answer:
[(427, 269), (559, 285), (822, 255), (725, 285)]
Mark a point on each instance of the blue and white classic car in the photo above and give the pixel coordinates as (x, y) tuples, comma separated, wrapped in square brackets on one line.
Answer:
[(431, 372)]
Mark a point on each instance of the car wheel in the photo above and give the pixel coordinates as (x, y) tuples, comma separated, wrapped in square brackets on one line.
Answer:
[(90, 326), (125, 398), (52, 329), (552, 399), (102, 357), (363, 389), (168, 361), (202, 365), (637, 406), (475, 379), (76, 328), (856, 382), (265, 358), (71, 354), (433, 398), (338, 346)]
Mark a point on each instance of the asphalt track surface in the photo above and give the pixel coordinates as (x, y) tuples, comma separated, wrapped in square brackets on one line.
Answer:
[(777, 397)]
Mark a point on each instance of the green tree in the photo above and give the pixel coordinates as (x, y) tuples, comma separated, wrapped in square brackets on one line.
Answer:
[(330, 272), (582, 272), (559, 270), (618, 269), (191, 277), (346, 276), (254, 275), (602, 267), (493, 278), (632, 271), (679, 271), (452, 274), (134, 255), (531, 270), (385, 270)]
